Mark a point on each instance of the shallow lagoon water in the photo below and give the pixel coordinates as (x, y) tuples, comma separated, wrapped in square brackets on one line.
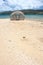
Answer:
[(29, 16), (35, 17)]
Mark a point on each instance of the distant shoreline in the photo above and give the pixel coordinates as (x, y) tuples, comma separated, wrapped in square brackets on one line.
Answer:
[(25, 12)]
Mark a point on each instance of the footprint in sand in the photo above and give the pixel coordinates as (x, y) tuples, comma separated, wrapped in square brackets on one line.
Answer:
[(41, 39)]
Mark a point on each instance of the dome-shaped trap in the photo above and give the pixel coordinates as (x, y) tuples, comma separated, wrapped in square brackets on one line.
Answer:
[(17, 15)]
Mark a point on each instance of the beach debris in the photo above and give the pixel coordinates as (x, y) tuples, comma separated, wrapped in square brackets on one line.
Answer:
[(17, 15), (24, 37)]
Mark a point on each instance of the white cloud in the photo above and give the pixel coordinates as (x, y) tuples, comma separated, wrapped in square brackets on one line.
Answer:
[(20, 4)]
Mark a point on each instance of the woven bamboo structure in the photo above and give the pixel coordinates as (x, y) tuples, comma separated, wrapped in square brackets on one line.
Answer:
[(17, 15)]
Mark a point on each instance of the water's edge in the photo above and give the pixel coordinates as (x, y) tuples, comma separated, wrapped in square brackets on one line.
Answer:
[(32, 17)]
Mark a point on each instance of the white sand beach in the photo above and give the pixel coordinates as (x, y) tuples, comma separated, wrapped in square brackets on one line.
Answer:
[(21, 42)]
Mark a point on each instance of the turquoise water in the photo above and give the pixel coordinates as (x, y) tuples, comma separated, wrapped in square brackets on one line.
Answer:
[(34, 17), (4, 16)]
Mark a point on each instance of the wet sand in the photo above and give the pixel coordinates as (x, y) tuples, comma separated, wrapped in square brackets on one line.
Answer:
[(21, 42)]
